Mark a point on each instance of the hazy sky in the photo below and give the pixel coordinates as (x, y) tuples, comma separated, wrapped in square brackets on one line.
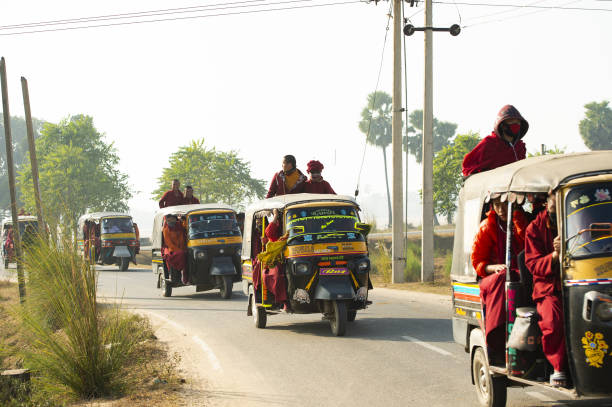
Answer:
[(275, 83)]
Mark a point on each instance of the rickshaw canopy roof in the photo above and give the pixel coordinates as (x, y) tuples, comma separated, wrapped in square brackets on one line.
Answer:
[(282, 202), (96, 216), (20, 218), (513, 181), (160, 214)]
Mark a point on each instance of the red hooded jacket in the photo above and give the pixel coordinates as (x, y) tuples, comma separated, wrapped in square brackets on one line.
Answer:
[(493, 151), (538, 257)]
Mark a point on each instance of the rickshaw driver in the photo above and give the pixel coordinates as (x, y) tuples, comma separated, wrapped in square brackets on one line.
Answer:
[(542, 247), (488, 254), (176, 246)]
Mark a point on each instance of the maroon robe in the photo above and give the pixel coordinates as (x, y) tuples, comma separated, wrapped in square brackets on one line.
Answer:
[(191, 200), (278, 186), (171, 198), (546, 288), (321, 187), (274, 277)]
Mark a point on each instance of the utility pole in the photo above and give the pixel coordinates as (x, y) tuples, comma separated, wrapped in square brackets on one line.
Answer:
[(11, 176), (427, 233), (397, 228), (32, 147)]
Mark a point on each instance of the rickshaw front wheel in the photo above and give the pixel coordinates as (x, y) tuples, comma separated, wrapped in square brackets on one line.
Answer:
[(338, 322), (124, 263), (227, 285), (259, 314), (6, 263), (351, 315), (491, 390)]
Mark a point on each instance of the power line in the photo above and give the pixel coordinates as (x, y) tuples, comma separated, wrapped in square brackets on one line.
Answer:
[(187, 17), (511, 10), (524, 6), (497, 20), (382, 58)]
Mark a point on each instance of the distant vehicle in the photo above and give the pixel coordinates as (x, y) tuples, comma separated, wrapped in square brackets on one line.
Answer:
[(28, 225), (108, 238), (325, 261), (583, 183), (213, 248)]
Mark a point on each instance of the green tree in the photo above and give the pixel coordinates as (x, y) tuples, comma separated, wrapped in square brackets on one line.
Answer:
[(376, 121), (77, 172), (443, 132), (596, 127), (20, 144), (549, 150), (447, 175), (216, 176)]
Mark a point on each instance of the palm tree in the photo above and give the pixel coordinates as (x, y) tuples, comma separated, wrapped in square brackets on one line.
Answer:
[(376, 125)]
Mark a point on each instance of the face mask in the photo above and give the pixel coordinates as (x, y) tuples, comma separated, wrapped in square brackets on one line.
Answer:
[(515, 128)]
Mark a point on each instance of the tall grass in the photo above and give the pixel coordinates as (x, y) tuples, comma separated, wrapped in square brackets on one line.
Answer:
[(412, 271), (75, 351)]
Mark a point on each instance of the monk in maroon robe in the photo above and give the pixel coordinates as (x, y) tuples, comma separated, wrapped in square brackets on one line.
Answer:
[(174, 251), (189, 198), (316, 184), (488, 259), (172, 197), (274, 277), (542, 247)]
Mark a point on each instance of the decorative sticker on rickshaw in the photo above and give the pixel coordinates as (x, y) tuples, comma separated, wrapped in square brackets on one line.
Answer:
[(602, 195), (341, 271), (583, 200), (595, 348)]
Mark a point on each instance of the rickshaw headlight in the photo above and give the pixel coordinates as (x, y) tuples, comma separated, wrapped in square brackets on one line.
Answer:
[(302, 268), (604, 311), (200, 255), (363, 265)]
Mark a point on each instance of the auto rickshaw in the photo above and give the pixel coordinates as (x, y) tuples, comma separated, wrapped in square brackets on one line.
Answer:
[(582, 183), (213, 248), (28, 226), (108, 238), (325, 261)]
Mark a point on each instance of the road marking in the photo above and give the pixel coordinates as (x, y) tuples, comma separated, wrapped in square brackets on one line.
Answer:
[(539, 396), (212, 358), (426, 345)]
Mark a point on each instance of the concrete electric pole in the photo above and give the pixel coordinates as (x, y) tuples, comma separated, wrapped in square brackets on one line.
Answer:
[(397, 228), (427, 236)]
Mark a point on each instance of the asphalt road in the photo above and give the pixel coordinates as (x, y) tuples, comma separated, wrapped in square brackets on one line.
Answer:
[(399, 352)]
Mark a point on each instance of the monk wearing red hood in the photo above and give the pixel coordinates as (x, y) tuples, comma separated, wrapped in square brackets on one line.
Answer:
[(542, 247), (488, 259), (316, 184), (503, 146)]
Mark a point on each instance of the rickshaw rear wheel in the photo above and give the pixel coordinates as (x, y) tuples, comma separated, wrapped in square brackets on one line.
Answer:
[(6, 263), (124, 263), (338, 322), (259, 314), (167, 289), (351, 315), (226, 287), (491, 390)]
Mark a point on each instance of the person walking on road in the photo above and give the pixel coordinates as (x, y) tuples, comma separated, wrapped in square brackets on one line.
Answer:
[(172, 197)]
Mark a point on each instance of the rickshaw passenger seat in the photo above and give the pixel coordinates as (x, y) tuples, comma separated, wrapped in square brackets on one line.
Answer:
[(526, 280)]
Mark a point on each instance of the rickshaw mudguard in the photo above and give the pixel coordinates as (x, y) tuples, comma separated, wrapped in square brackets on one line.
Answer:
[(334, 288), (588, 339), (122, 251), (222, 266)]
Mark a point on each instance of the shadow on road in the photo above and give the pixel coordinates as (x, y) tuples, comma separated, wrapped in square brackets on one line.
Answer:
[(378, 329)]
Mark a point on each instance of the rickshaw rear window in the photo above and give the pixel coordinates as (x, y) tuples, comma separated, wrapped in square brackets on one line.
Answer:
[(322, 225), (117, 225), (208, 225), (588, 222)]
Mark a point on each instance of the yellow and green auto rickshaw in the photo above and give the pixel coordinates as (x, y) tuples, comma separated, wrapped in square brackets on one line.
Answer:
[(108, 238), (325, 261), (213, 241), (582, 183), (28, 227)]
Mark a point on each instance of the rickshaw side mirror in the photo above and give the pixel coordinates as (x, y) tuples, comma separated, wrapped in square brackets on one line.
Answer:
[(364, 228), (600, 230)]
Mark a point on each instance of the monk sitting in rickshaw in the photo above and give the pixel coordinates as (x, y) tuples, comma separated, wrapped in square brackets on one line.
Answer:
[(174, 251), (488, 259), (542, 248), (273, 275)]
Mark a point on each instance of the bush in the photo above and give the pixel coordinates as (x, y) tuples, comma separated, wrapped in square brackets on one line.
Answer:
[(448, 264), (412, 272), (75, 351), (380, 261)]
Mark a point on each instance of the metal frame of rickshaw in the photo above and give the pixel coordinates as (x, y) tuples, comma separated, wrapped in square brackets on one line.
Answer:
[(475, 337)]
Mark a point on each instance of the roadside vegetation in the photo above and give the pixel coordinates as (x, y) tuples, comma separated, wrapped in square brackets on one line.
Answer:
[(76, 349)]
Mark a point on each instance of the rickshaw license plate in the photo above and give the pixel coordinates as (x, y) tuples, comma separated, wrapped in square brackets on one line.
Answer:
[(334, 271)]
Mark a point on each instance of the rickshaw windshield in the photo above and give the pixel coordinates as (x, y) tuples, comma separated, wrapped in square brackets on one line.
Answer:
[(588, 225), (322, 225), (207, 225), (117, 225), (29, 226)]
